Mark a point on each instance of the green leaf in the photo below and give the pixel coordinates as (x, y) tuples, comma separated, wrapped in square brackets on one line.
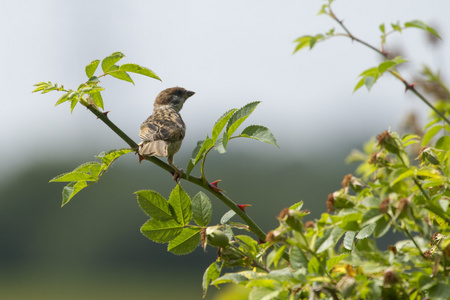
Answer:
[(259, 133), (220, 124), (366, 231), (332, 262), (182, 205), (211, 274), (421, 25), (443, 143), (227, 216), (239, 116), (230, 277), (73, 176), (109, 61), (97, 99), (161, 231), (314, 266), (198, 152), (389, 64), (431, 133), (369, 81), (348, 239), (63, 99), (154, 205), (382, 29), (90, 68), (298, 258), (359, 84), (115, 72), (279, 254), (109, 157), (201, 209), (329, 239), (134, 68), (71, 190), (185, 242)]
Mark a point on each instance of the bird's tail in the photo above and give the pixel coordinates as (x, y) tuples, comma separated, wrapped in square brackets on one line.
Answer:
[(155, 148)]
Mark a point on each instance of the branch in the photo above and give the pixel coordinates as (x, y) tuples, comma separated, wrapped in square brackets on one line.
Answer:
[(195, 180)]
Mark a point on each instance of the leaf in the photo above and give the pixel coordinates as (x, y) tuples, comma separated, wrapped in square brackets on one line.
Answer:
[(198, 152), (90, 68), (227, 216), (63, 99), (154, 205), (220, 124), (259, 133), (115, 72), (443, 143), (369, 81), (329, 239), (182, 205), (421, 25), (366, 231), (298, 258), (73, 176), (279, 255), (185, 242), (348, 239), (431, 133), (134, 68), (382, 29), (314, 266), (109, 61), (71, 190), (359, 84), (201, 209), (238, 117), (389, 64), (211, 274), (109, 157), (97, 99), (332, 262), (161, 231), (230, 277)]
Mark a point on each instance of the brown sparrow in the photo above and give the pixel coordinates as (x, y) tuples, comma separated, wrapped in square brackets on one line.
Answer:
[(162, 133)]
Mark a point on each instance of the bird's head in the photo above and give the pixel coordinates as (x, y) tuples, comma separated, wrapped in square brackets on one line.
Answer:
[(172, 97)]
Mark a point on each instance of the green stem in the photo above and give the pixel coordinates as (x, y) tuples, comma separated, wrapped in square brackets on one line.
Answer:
[(412, 239), (408, 86)]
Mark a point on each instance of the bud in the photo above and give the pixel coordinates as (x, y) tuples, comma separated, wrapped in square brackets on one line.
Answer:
[(217, 238), (384, 206), (389, 277), (330, 202), (346, 180)]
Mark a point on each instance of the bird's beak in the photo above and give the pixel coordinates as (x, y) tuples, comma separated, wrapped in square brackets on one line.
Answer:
[(189, 94)]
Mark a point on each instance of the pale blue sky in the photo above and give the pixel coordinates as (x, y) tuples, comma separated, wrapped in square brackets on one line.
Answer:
[(228, 52)]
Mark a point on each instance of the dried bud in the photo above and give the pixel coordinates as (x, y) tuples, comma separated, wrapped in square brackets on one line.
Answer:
[(346, 180), (428, 253), (373, 158), (270, 237), (283, 213), (384, 206), (383, 137), (403, 204), (435, 237), (330, 202), (389, 277), (393, 249), (310, 224), (274, 236)]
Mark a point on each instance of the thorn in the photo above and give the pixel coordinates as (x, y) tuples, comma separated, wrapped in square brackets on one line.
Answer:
[(243, 206), (260, 241), (213, 186), (105, 113), (410, 86), (141, 158)]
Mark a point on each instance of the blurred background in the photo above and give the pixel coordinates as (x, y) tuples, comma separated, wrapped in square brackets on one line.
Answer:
[(230, 53)]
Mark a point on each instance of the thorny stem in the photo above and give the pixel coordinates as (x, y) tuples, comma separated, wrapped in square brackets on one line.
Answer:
[(195, 180), (408, 85)]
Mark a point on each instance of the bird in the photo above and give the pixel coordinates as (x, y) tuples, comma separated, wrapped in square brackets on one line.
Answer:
[(162, 133)]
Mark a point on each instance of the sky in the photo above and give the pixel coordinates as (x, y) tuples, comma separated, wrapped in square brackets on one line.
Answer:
[(228, 52)]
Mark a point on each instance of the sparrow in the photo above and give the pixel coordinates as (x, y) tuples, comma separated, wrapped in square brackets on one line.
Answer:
[(162, 133)]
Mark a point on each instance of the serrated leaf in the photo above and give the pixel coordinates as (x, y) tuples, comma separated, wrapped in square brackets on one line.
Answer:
[(109, 61), (211, 274), (332, 262), (259, 133), (220, 124), (154, 205), (366, 231), (298, 258), (227, 216), (109, 157), (71, 190), (421, 25), (134, 68), (97, 99), (314, 266), (115, 72), (63, 99), (185, 242), (90, 68), (161, 231), (431, 133), (329, 239), (239, 116), (73, 176), (182, 205), (348, 239), (201, 209), (219, 146)]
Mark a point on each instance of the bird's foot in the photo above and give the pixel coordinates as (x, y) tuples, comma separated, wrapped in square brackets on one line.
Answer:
[(177, 174)]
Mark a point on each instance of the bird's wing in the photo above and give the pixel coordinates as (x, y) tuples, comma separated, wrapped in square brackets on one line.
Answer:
[(167, 126)]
